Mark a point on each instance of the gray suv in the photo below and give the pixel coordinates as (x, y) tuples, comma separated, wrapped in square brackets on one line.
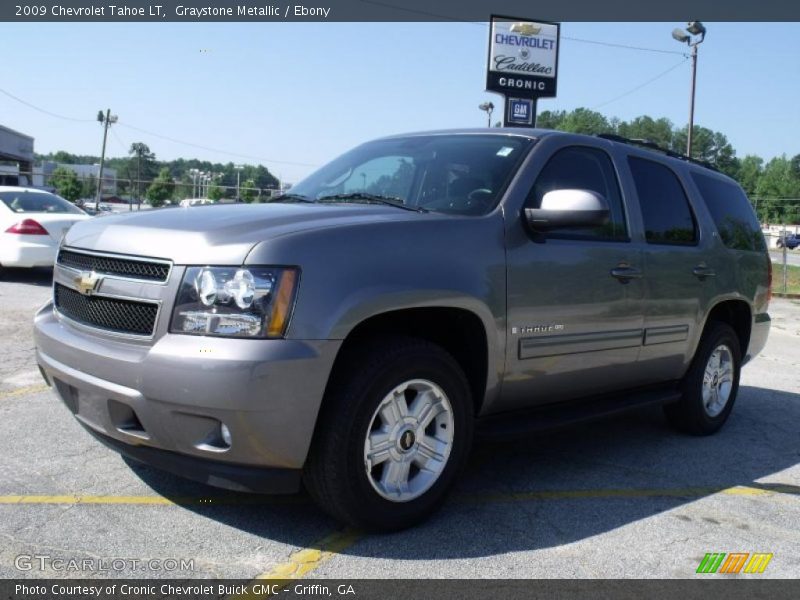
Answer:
[(352, 336)]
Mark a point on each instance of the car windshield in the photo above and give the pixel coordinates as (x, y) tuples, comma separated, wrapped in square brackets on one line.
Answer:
[(33, 201), (455, 173)]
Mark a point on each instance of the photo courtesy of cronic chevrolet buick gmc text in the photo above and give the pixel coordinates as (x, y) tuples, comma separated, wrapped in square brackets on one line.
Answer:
[(352, 335)]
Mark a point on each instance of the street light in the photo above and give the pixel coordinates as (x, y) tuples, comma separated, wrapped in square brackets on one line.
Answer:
[(487, 107), (693, 28)]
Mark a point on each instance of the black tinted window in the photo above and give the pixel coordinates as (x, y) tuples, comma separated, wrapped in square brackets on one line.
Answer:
[(736, 222), (583, 169), (665, 209)]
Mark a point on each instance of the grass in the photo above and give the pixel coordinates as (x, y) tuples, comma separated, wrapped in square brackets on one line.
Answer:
[(792, 279)]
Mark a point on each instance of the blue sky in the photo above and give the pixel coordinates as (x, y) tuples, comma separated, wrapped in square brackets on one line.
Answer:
[(305, 92)]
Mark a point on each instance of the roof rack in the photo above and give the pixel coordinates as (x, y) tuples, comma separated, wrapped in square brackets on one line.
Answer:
[(653, 146)]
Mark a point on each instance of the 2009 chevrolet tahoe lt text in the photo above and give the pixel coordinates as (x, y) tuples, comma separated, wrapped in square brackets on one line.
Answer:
[(352, 335)]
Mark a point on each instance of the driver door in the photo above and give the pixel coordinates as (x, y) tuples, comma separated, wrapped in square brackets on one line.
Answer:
[(575, 296)]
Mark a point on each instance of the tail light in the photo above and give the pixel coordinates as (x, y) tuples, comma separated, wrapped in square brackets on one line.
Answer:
[(27, 227)]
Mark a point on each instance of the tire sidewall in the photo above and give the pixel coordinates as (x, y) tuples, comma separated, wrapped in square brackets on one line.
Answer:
[(434, 367), (693, 385)]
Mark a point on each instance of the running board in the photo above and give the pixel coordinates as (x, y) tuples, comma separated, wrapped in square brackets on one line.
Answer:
[(565, 414)]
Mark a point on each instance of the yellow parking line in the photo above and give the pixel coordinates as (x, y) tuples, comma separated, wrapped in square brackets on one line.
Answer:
[(28, 389), (480, 498), (307, 559), (153, 500)]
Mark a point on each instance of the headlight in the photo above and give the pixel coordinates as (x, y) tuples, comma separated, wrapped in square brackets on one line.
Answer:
[(251, 302)]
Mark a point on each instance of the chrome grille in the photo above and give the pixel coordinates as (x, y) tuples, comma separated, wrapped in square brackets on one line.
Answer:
[(110, 265), (111, 314)]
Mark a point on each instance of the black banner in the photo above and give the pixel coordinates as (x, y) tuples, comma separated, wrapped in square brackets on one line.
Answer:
[(393, 10), (401, 589)]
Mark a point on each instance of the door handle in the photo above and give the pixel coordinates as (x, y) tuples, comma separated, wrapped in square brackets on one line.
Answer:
[(702, 271), (624, 274)]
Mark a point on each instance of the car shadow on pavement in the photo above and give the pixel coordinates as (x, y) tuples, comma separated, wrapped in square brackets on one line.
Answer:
[(557, 488), (40, 276)]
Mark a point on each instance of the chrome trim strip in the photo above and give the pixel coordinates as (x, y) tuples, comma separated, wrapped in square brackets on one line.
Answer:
[(155, 261), (575, 343)]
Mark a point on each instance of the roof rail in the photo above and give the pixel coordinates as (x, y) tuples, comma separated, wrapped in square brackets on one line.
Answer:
[(653, 146)]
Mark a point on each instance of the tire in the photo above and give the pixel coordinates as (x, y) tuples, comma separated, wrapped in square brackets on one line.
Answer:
[(709, 391), (362, 484)]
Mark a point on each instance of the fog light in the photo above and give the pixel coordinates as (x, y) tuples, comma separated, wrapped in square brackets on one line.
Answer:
[(225, 434)]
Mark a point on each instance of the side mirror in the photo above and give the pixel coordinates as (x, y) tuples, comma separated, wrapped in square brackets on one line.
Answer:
[(568, 208)]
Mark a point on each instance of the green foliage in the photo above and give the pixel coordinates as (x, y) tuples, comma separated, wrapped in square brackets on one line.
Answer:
[(778, 190), (216, 192), (658, 131), (66, 183), (247, 191), (161, 189)]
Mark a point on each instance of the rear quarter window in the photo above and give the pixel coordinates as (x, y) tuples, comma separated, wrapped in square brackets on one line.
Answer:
[(732, 213)]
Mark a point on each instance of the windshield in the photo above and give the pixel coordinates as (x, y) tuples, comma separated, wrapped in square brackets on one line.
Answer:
[(33, 201), (459, 174)]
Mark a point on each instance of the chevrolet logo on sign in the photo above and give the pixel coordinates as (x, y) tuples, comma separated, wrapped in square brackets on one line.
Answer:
[(87, 282), (525, 29)]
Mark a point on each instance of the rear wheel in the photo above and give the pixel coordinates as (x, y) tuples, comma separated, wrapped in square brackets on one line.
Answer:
[(711, 384), (394, 433)]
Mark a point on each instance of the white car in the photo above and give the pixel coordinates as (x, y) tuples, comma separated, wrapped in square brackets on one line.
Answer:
[(32, 223)]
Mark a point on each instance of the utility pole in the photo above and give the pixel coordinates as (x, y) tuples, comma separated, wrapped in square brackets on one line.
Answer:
[(238, 171), (106, 120)]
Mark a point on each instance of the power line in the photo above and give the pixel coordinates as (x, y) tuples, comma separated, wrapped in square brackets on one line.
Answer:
[(185, 143), (640, 86), (41, 110), (445, 17), (625, 46)]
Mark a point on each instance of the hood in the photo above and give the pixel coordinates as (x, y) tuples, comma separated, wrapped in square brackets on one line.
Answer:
[(217, 234)]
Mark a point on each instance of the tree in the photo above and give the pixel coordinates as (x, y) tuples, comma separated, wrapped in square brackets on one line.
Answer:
[(750, 169), (583, 120), (161, 189), (145, 167), (659, 131), (216, 192), (66, 183), (248, 191), (778, 192), (710, 146)]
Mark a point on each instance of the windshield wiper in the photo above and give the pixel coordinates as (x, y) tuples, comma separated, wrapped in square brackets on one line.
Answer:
[(292, 198), (374, 198)]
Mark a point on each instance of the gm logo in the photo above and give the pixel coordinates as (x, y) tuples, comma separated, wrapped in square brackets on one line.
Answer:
[(732, 564), (520, 111)]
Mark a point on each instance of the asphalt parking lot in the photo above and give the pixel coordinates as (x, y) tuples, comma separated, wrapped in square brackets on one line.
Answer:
[(623, 497)]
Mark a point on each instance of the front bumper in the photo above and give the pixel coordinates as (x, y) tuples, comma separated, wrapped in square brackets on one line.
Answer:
[(163, 402)]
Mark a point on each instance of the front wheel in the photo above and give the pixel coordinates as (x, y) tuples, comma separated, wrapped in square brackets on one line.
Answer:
[(710, 386), (394, 432)]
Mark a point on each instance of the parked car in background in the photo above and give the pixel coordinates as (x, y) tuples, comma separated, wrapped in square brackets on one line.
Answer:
[(196, 202), (32, 222), (791, 241)]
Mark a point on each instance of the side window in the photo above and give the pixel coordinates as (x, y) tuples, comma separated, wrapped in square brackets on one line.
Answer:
[(668, 219), (736, 222), (583, 168)]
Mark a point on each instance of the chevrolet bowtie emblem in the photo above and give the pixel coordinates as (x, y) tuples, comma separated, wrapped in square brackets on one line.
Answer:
[(87, 282), (525, 29)]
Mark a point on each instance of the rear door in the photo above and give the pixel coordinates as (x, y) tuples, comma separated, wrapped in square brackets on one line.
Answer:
[(679, 274), (575, 317)]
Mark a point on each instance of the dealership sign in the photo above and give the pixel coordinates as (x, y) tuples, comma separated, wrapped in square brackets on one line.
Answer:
[(523, 58)]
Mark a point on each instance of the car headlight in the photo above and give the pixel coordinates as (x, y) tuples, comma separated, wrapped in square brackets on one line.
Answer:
[(250, 302)]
